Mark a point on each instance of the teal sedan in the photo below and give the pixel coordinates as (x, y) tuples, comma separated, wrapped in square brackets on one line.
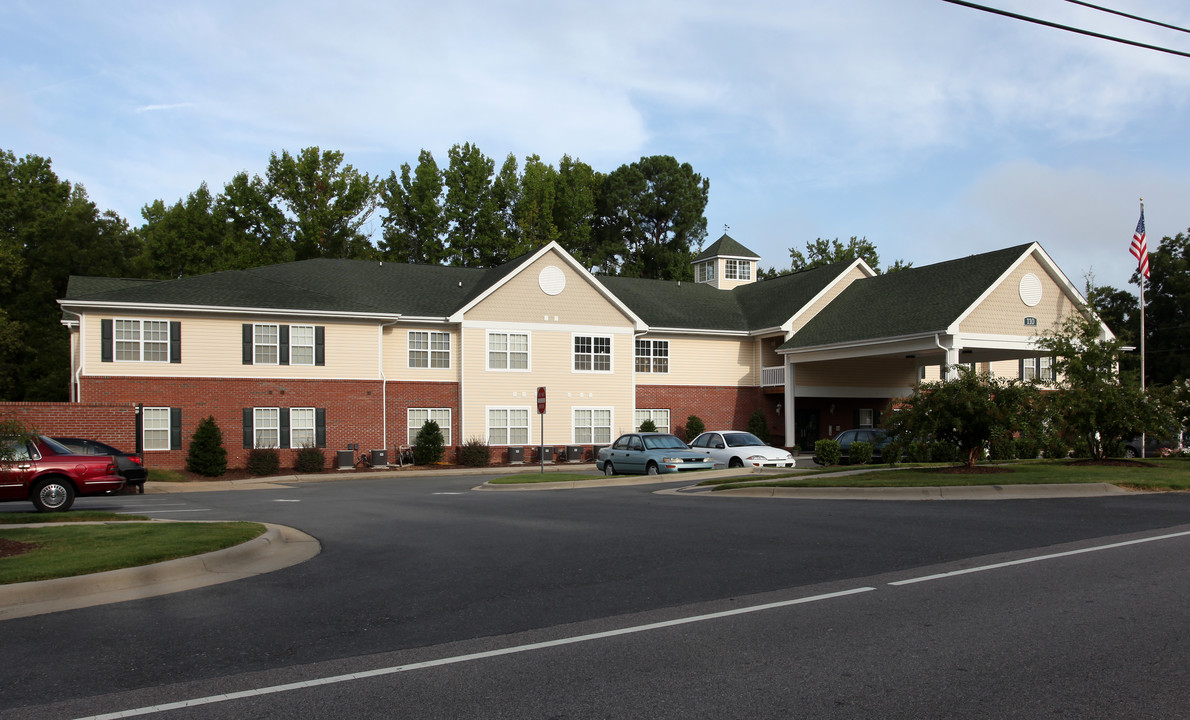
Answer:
[(650, 454)]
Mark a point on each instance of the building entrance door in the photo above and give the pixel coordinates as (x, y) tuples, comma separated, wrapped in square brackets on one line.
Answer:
[(805, 428)]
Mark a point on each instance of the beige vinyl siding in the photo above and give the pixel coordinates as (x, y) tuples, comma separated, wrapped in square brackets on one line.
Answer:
[(874, 372), (730, 361), (522, 300), (816, 307), (396, 355), (213, 347), (1003, 312), (550, 361)]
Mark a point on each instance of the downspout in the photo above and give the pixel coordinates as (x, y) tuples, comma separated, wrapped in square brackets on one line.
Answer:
[(383, 385), (945, 354)]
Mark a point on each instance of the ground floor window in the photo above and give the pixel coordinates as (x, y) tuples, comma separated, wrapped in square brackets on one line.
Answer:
[(156, 428), (419, 416), (302, 428), (266, 425), (592, 425), (660, 418), (508, 426), (271, 427)]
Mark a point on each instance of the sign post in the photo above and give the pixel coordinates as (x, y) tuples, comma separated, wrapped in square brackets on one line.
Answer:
[(541, 414)]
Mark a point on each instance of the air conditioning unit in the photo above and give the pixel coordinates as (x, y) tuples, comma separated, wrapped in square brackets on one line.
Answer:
[(574, 453), (516, 455), (380, 458), (545, 454)]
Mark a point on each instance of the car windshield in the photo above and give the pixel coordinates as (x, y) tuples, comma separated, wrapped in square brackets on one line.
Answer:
[(742, 439), (664, 442), (56, 447)]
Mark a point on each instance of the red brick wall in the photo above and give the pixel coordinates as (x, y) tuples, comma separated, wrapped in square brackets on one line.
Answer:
[(724, 408), (112, 423)]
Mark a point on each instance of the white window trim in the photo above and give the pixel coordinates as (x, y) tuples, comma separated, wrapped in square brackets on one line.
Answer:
[(650, 411), (487, 421), (293, 427), (611, 354), (257, 427), (706, 271), (428, 351), (140, 341), (487, 349), (411, 430), (276, 346), (145, 429), (651, 356), (293, 345), (611, 423)]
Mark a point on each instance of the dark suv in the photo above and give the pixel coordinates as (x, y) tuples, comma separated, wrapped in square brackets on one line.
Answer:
[(130, 465)]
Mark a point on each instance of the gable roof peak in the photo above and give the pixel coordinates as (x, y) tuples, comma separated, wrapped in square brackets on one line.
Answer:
[(726, 246)]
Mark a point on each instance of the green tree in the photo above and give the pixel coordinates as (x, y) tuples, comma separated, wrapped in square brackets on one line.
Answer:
[(1091, 403), (535, 210), (206, 455), (758, 425), (327, 203), (473, 234), (1120, 311), (429, 447), (1167, 311), (415, 226), (575, 192), (651, 222), (968, 411), (49, 230), (694, 427), (256, 229), (507, 193), (821, 252)]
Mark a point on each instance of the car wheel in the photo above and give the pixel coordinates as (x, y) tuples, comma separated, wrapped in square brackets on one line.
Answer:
[(609, 469), (1129, 452), (735, 463), (52, 495), (652, 468)]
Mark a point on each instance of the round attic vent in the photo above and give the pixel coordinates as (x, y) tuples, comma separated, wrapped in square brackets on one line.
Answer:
[(551, 280), (1030, 290)]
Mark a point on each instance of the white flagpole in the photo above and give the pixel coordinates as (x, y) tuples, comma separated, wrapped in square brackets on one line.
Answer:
[(1140, 267)]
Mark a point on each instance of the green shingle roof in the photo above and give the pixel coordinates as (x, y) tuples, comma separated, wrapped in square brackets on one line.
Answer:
[(726, 246), (906, 302)]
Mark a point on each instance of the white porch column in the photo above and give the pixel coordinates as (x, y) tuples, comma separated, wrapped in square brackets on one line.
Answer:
[(787, 411)]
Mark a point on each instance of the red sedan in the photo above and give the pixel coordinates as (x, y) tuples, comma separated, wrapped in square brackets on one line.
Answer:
[(50, 476)]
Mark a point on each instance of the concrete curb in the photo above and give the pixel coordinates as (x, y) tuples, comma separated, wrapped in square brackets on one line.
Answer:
[(960, 492), (279, 547)]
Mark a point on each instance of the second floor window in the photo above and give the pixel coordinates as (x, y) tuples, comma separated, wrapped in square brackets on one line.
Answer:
[(592, 353), (137, 340), (508, 351), (429, 349), (652, 356), (737, 270), (266, 343)]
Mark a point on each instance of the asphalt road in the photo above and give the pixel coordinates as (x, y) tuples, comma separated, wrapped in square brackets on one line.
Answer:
[(422, 570)]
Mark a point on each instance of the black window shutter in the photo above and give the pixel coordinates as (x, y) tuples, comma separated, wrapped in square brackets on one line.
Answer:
[(320, 427), (319, 345), (1020, 368), (283, 345), (248, 430), (106, 335), (175, 428), (247, 343), (283, 433), (175, 341), (855, 419), (140, 430)]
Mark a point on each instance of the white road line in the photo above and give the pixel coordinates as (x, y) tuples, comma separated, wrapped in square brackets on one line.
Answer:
[(379, 672), (1039, 558)]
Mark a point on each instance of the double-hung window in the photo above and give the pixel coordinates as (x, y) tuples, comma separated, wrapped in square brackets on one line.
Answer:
[(652, 356), (508, 351), (266, 341), (419, 416), (1037, 368), (266, 424), (141, 340), (302, 427), (737, 270), (155, 428), (592, 425), (659, 417), (592, 353), (508, 426), (429, 349), (301, 346)]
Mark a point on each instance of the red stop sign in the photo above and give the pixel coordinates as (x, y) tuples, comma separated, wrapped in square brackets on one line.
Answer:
[(541, 401)]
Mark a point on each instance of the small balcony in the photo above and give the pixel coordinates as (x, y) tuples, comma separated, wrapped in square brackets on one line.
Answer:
[(772, 376)]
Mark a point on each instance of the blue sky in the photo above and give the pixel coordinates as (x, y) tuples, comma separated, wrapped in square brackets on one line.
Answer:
[(936, 131)]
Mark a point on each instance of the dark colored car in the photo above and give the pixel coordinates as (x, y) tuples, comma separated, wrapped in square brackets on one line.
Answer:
[(50, 476), (129, 465), (650, 454), (1155, 447), (876, 438)]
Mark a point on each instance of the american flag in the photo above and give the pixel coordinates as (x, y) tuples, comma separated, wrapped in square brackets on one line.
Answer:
[(1139, 249)]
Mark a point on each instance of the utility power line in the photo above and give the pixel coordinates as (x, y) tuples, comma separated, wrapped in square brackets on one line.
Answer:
[(1068, 28), (1130, 17)]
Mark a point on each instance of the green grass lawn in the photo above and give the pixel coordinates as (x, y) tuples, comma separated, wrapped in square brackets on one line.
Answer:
[(64, 550), (25, 518), (1151, 475)]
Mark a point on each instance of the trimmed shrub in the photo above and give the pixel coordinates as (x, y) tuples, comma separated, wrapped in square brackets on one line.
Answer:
[(1027, 448), (860, 453), (891, 453), (694, 427), (917, 452), (309, 460), (758, 425), (429, 448), (475, 453), (264, 461), (648, 426), (827, 452), (1056, 448), (1002, 447), (1114, 448), (944, 452), (206, 455)]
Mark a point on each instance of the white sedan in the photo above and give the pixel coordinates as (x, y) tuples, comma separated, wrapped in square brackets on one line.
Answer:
[(734, 449)]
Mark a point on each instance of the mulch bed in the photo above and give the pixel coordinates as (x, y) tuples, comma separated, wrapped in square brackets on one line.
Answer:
[(8, 548)]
